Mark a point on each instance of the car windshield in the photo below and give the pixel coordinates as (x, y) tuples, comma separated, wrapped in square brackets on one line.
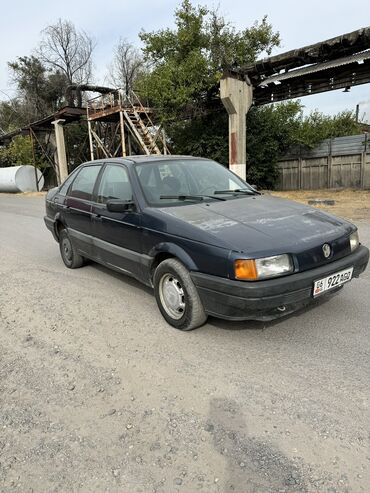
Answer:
[(188, 181)]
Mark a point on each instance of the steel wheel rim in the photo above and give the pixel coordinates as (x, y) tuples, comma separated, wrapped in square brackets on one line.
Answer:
[(172, 296), (67, 249)]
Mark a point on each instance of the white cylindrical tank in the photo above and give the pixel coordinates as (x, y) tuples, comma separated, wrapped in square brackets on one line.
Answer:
[(20, 179)]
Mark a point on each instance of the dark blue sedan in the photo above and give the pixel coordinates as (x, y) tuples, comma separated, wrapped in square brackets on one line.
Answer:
[(205, 240)]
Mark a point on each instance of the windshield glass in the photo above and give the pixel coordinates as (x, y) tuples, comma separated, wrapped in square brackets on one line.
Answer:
[(187, 181)]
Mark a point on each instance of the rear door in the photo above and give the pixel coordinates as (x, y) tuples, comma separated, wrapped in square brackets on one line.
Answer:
[(117, 235), (78, 208)]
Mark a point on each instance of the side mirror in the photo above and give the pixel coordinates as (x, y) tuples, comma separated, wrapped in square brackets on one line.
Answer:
[(116, 205), (255, 187)]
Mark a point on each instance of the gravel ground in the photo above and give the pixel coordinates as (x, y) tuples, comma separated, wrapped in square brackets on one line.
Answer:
[(97, 393)]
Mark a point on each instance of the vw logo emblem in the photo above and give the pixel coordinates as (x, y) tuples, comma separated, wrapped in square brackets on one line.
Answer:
[(326, 250)]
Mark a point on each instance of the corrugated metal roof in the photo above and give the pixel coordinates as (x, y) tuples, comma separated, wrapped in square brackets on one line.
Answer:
[(356, 58)]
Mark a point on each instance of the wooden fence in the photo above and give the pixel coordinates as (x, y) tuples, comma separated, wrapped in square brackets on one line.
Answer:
[(343, 162)]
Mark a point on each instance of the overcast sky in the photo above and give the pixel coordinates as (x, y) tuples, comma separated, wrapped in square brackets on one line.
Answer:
[(299, 24)]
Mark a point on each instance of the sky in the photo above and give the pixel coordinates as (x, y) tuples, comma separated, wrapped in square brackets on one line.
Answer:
[(299, 24)]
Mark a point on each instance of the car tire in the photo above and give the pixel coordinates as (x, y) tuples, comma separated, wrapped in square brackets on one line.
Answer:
[(177, 297), (70, 257)]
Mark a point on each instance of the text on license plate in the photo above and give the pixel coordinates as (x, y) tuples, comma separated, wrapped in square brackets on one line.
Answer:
[(332, 281)]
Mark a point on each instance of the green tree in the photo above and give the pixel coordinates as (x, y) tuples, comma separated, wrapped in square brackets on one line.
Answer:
[(20, 151), (316, 127), (11, 115), (186, 66), (40, 90), (271, 131), (187, 61)]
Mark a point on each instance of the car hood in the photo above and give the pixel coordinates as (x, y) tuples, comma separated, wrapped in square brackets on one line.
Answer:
[(258, 224)]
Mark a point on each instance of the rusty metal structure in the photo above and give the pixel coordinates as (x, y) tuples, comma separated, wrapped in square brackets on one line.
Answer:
[(336, 63), (119, 124), (42, 134)]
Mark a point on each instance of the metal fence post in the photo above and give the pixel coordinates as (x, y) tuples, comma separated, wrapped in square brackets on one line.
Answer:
[(330, 162), (363, 163)]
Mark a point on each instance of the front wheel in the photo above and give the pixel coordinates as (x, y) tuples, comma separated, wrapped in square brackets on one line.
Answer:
[(70, 257), (177, 297)]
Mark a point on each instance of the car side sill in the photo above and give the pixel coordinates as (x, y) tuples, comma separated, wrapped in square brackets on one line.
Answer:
[(135, 257), (131, 255)]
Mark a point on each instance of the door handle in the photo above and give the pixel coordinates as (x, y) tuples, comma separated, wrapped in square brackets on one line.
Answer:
[(96, 216)]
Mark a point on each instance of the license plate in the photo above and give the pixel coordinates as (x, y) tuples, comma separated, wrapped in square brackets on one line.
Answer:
[(331, 282)]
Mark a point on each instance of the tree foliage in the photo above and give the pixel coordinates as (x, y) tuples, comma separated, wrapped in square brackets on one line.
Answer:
[(270, 133), (40, 90), (317, 127), (11, 115), (18, 152), (183, 85), (186, 62)]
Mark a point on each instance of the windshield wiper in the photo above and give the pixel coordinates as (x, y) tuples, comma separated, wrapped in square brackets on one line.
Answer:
[(246, 191), (198, 198)]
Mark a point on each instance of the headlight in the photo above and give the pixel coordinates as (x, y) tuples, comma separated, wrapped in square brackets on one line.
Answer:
[(263, 268), (354, 241)]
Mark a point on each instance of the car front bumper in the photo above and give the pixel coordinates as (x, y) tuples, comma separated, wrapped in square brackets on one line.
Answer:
[(267, 300)]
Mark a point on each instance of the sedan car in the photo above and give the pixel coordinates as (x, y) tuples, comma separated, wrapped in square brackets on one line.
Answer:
[(205, 240)]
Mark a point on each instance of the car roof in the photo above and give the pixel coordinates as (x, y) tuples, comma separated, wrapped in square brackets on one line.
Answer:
[(143, 158), (140, 158)]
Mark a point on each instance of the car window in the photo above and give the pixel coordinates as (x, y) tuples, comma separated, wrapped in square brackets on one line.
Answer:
[(83, 186), (115, 184), (64, 188), (186, 177), (174, 178)]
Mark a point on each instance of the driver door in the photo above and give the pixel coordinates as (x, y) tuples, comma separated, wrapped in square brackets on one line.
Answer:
[(117, 235)]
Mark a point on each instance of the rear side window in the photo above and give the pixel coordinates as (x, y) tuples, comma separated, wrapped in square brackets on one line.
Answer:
[(64, 188), (83, 185), (115, 184)]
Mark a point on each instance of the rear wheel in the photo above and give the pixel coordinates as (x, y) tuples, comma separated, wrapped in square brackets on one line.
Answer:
[(70, 257), (177, 297)]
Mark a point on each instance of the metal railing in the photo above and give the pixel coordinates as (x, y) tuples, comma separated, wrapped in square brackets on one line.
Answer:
[(135, 113)]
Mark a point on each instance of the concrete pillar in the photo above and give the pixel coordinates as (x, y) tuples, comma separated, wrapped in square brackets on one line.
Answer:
[(61, 149), (91, 143), (236, 96)]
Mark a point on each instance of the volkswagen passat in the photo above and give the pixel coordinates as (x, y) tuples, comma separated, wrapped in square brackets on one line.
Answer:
[(205, 240)]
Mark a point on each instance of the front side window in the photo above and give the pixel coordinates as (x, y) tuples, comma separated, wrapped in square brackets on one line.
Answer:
[(83, 185), (115, 184)]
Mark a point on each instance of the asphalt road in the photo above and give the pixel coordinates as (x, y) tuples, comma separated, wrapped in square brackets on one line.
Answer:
[(97, 393)]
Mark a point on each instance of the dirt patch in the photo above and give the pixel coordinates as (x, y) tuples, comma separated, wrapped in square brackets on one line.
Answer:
[(351, 204), (33, 194), (25, 194)]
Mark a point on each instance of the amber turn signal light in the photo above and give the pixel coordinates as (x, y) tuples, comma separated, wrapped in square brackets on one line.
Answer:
[(245, 269)]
